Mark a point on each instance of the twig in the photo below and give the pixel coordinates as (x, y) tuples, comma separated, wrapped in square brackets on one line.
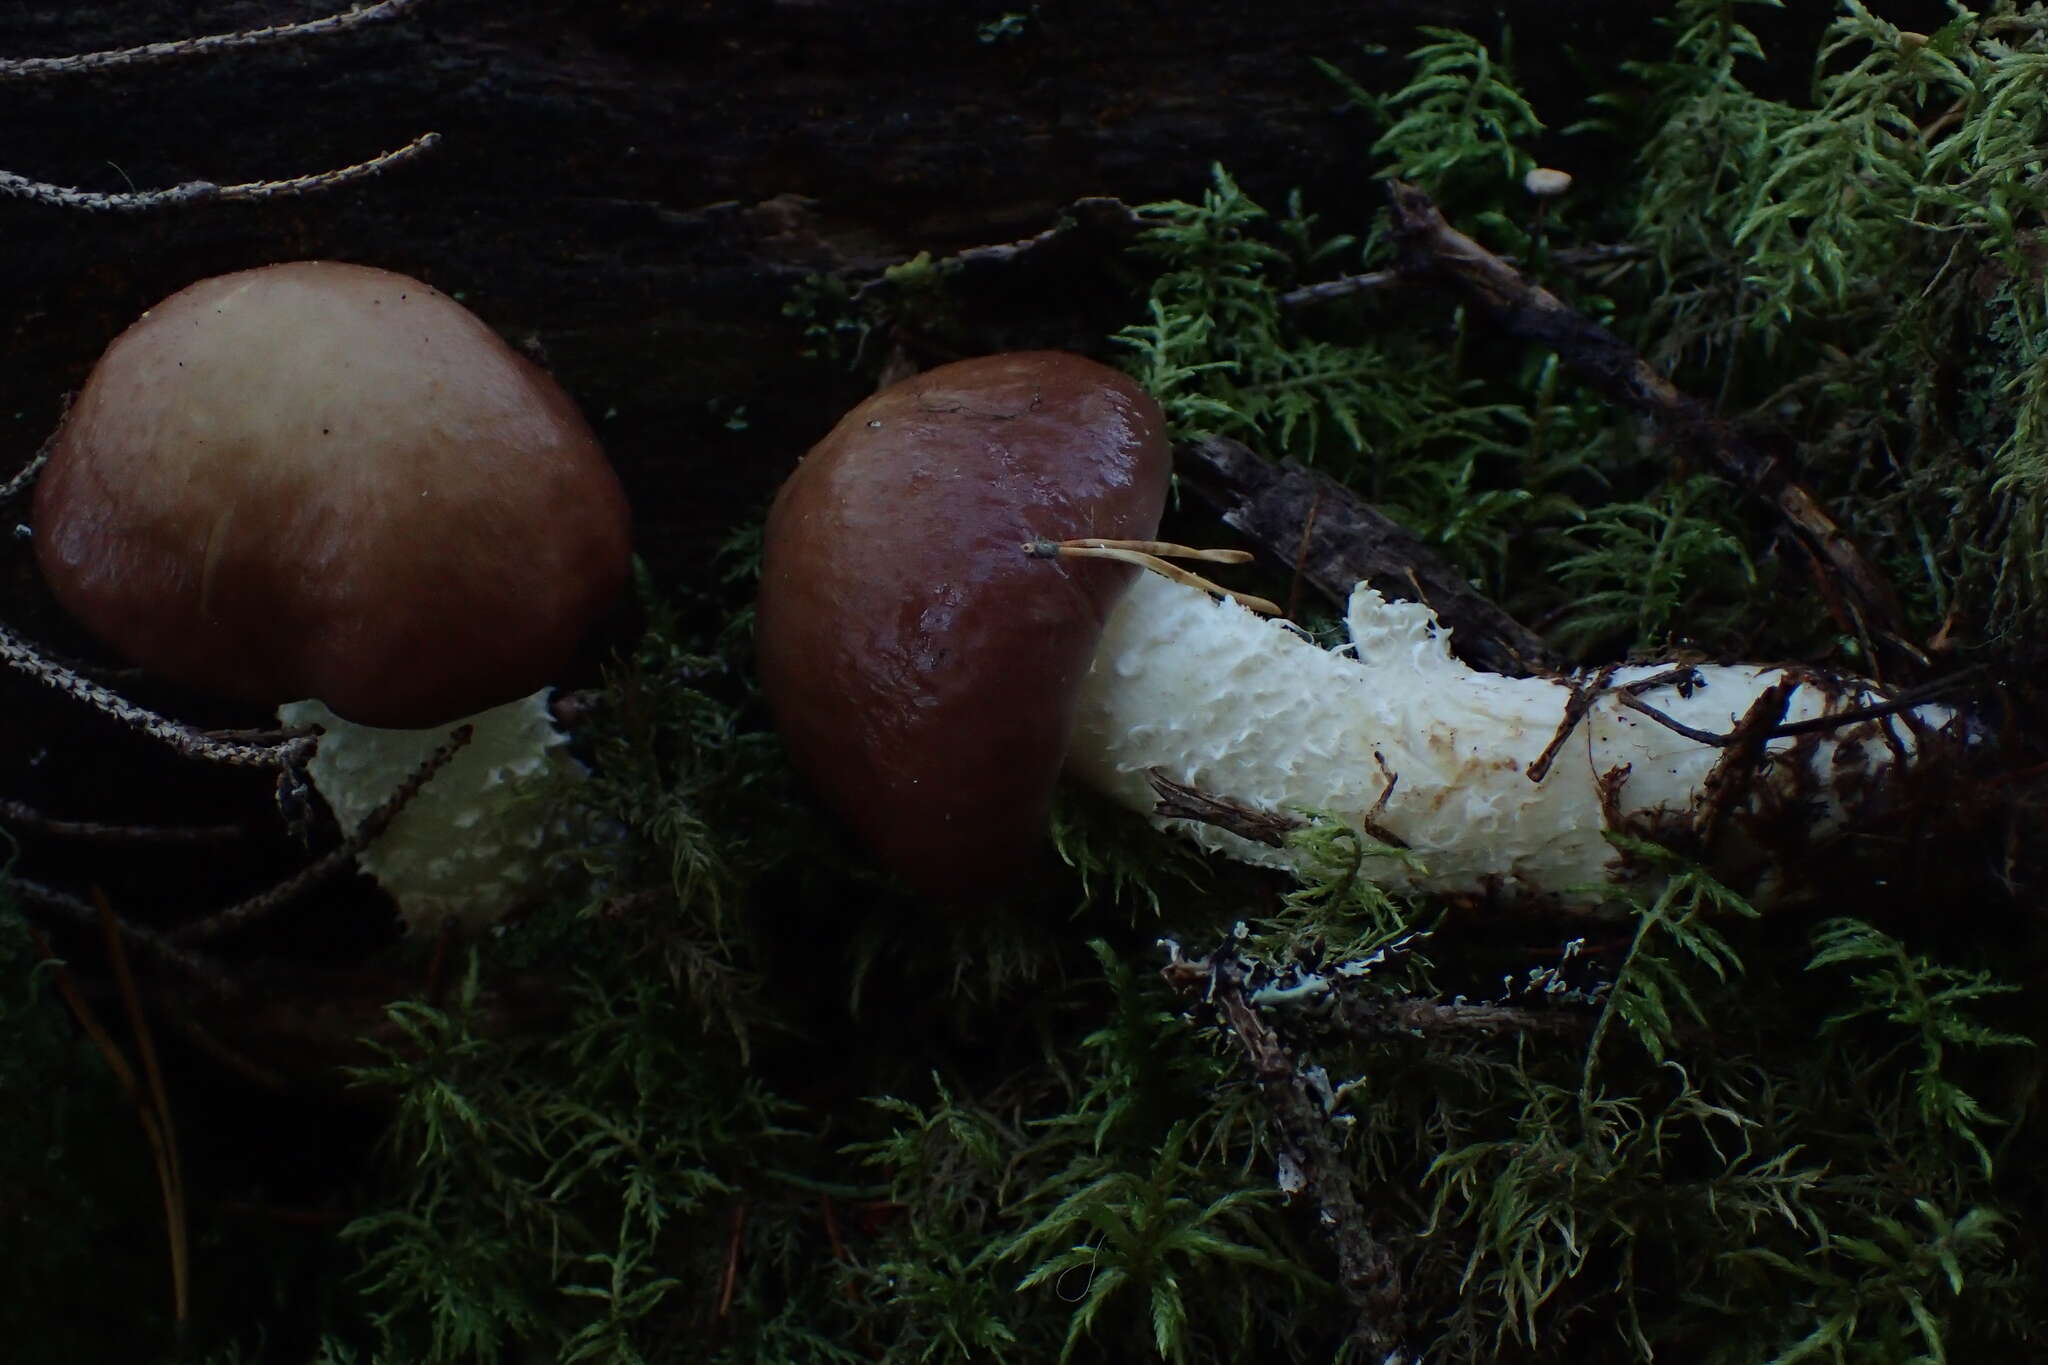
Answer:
[(1093, 214), (1178, 801), (195, 967), (1336, 540), (1310, 1154), (152, 1107), (728, 1283), (148, 54), (1372, 281), (1905, 703), (19, 654), (164, 1133), (1902, 705), (1364, 1016), (1734, 774), (205, 191), (1577, 703), (336, 860), (1677, 727), (1343, 287), (1151, 556), (1432, 249), (27, 817)]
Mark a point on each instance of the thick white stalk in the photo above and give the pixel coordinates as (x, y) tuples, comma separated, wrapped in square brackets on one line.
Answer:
[(473, 843), (1394, 737)]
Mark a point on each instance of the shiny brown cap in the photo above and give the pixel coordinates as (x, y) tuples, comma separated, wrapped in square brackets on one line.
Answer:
[(324, 480), (921, 667)]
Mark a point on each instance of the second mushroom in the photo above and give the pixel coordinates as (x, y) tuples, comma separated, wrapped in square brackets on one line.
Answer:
[(322, 480), (933, 672)]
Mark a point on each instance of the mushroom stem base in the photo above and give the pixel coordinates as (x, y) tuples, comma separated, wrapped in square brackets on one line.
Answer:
[(1492, 784)]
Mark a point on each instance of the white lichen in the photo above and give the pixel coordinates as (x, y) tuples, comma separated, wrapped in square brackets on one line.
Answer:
[(1396, 738), (472, 844)]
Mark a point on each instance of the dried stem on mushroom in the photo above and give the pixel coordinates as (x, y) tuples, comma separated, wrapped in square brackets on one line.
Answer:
[(1153, 556)]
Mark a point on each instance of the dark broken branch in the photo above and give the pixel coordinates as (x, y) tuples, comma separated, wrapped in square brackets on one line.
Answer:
[(1431, 249), (17, 653), (1178, 801), (196, 968), (1372, 281), (1335, 539), (1311, 1155)]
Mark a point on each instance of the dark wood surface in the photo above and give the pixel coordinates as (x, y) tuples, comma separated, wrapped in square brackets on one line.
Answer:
[(634, 187)]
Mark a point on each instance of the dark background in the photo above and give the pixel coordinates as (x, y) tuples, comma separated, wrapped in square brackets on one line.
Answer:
[(636, 187)]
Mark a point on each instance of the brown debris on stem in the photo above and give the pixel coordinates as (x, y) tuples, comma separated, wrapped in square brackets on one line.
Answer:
[(1179, 801)]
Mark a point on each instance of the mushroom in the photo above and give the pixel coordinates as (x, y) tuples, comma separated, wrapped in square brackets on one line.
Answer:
[(930, 670), (923, 671), (1490, 784), (320, 480)]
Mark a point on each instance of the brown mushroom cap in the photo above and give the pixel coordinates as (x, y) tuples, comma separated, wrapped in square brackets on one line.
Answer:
[(921, 667), (324, 480)]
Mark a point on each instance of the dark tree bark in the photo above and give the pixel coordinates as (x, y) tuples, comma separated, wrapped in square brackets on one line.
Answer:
[(633, 189), (637, 186)]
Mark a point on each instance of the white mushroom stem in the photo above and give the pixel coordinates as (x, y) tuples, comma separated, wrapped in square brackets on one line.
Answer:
[(1394, 737), (472, 845)]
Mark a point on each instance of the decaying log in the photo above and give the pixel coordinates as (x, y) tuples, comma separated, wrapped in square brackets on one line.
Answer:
[(1334, 539)]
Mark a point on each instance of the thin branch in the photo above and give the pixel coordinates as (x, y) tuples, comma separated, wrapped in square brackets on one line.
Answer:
[(155, 1127), (1905, 703), (156, 1113), (17, 653), (1734, 774), (1579, 699), (1362, 1016), (1096, 215), (336, 860), (1431, 249), (24, 816), (202, 970), (205, 191), (1372, 281), (1152, 560), (1344, 286), (1675, 726), (149, 54), (1311, 1154), (1178, 801)]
